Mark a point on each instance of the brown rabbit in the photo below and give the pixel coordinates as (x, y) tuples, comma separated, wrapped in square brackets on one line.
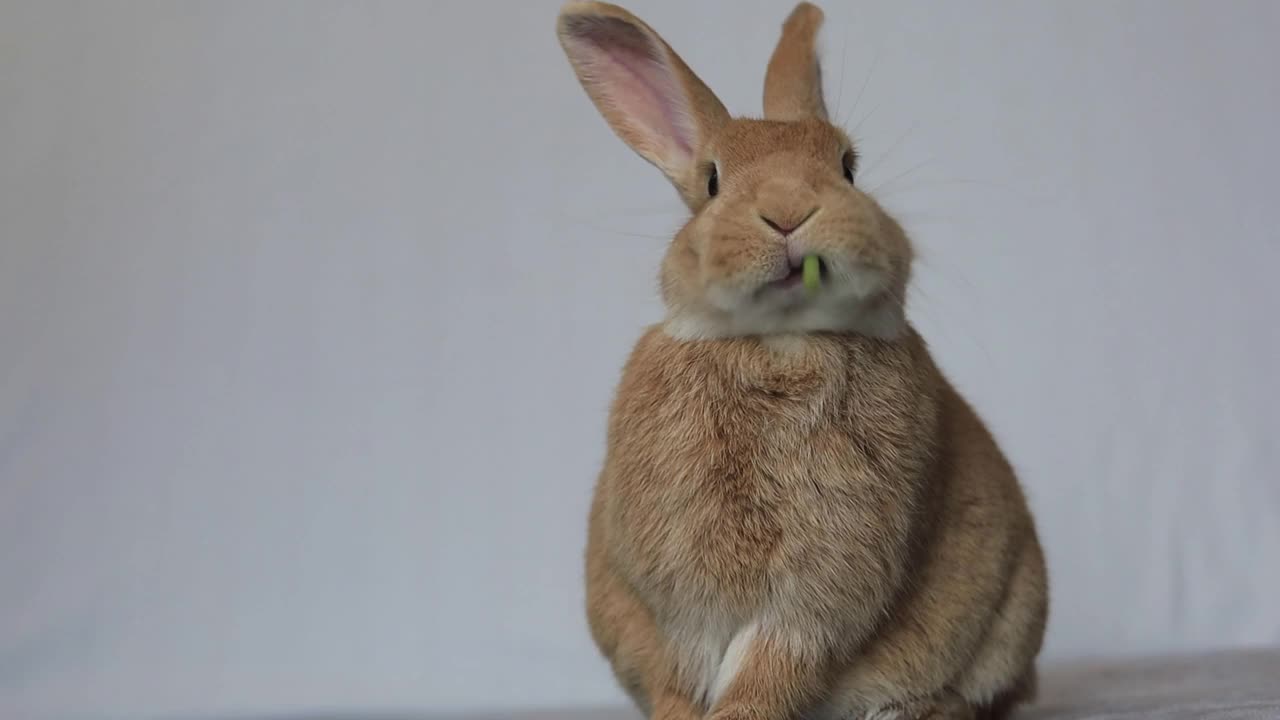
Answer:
[(798, 516)]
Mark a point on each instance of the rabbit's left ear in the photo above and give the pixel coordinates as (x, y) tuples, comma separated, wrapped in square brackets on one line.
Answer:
[(793, 82)]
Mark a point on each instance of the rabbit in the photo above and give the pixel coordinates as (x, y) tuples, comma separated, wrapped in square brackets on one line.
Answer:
[(798, 516)]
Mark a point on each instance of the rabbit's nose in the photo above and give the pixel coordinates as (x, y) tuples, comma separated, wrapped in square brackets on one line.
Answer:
[(786, 223)]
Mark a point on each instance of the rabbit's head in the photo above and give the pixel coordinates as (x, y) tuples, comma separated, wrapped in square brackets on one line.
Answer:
[(763, 193)]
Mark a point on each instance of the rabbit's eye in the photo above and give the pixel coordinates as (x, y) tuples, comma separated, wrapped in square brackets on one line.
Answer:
[(713, 181), (850, 164)]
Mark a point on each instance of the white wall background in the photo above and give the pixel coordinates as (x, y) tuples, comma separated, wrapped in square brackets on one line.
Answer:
[(310, 315)]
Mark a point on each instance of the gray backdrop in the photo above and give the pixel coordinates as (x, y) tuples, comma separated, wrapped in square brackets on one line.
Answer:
[(310, 314)]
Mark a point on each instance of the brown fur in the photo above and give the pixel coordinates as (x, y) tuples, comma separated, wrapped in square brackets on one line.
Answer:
[(806, 522)]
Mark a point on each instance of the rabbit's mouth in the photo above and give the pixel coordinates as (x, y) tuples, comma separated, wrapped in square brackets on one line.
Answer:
[(847, 293), (791, 276), (795, 274), (849, 300)]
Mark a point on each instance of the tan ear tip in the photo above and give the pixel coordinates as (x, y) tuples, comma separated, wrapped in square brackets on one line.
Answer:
[(586, 7), (576, 8), (806, 17), (576, 15)]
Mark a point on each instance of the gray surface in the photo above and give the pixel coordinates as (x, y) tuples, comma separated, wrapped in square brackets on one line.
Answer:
[(1234, 685)]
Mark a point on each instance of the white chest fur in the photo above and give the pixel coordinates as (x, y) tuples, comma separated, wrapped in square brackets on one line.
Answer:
[(709, 651)]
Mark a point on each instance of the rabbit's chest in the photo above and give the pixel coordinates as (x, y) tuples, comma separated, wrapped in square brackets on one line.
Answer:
[(719, 511), (726, 535), (730, 476)]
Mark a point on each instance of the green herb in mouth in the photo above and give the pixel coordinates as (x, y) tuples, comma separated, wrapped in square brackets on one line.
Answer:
[(812, 272)]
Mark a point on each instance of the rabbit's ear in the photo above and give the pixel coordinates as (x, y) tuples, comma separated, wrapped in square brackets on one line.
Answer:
[(648, 95), (793, 82)]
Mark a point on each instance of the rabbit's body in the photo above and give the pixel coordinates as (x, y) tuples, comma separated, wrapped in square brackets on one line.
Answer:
[(833, 489), (798, 516)]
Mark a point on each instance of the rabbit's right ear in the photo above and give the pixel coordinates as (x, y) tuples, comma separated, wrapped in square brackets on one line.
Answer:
[(793, 82), (648, 95)]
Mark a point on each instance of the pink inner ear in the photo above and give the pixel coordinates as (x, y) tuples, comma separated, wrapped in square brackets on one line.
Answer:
[(631, 75)]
